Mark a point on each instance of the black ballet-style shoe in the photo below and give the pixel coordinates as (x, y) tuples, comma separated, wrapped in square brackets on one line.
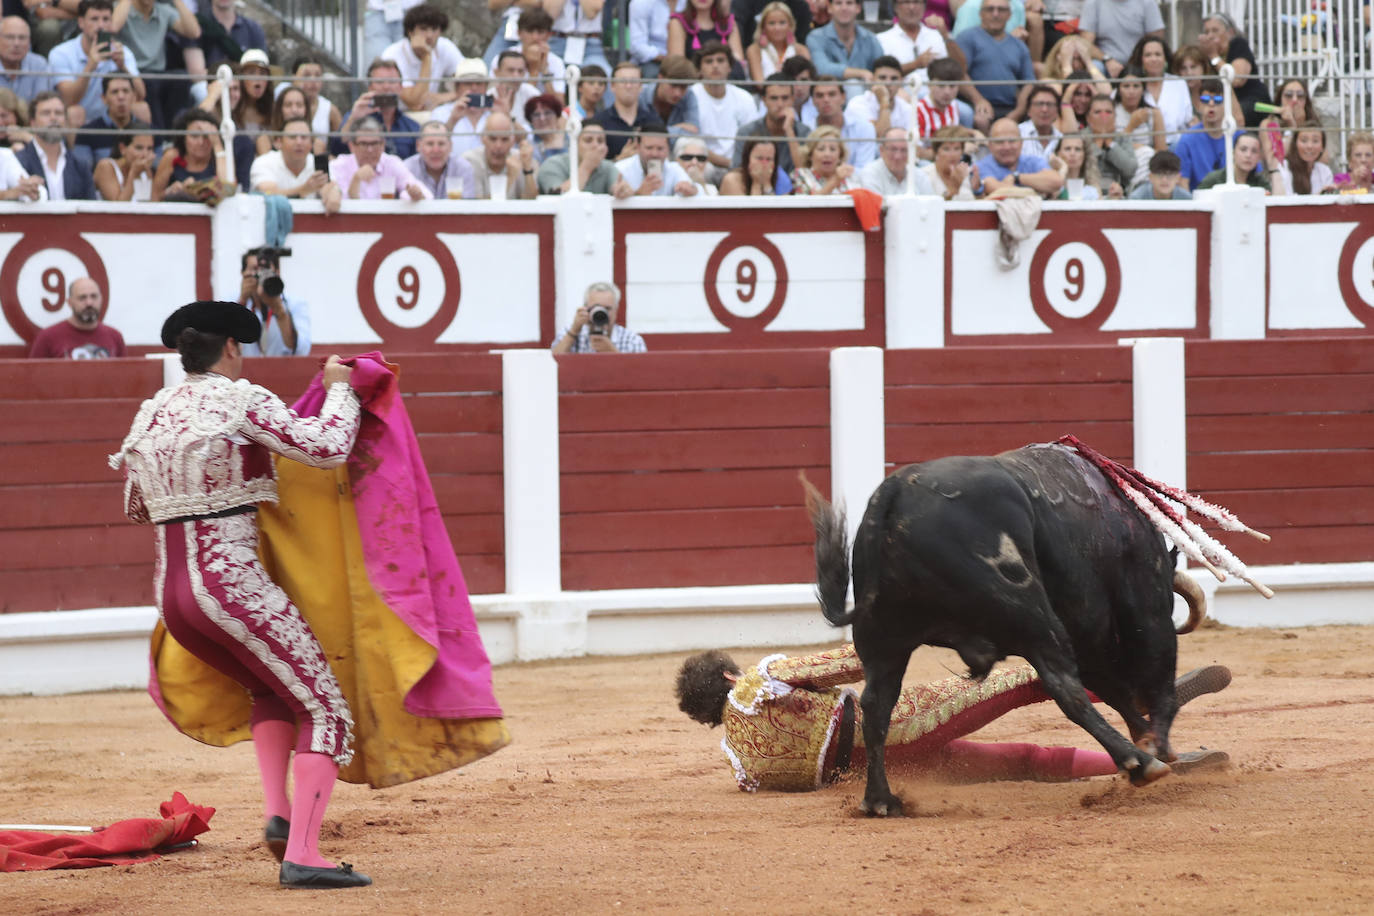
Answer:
[(275, 835), (309, 876)]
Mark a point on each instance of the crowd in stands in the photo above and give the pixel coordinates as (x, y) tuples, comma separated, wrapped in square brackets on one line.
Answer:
[(1078, 99)]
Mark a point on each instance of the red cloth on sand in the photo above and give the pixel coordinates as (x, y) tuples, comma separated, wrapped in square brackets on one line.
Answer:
[(122, 843)]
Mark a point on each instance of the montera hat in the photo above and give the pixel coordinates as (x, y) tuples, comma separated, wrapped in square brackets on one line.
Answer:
[(227, 318)]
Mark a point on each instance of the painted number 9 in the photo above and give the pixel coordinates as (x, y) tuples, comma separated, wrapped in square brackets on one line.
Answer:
[(746, 275), (1073, 275), (54, 282), (409, 281)]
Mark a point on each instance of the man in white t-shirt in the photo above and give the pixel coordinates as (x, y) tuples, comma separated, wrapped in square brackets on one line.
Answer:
[(383, 26), (722, 109), (914, 43), (467, 121), (289, 170), (651, 174), (425, 57), (882, 105)]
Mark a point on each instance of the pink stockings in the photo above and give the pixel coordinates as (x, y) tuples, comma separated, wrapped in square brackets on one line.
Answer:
[(273, 740), (974, 761)]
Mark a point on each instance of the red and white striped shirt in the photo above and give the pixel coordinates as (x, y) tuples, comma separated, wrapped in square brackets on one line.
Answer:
[(929, 119)]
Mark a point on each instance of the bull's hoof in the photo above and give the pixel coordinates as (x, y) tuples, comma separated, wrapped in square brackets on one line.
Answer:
[(1149, 743), (888, 807), (1149, 772)]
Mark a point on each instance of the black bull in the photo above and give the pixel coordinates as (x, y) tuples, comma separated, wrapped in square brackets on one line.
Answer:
[(1030, 553)]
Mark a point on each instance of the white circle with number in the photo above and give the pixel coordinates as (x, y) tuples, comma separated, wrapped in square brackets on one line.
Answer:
[(1362, 273), (43, 282), (1075, 280), (746, 281), (410, 288)]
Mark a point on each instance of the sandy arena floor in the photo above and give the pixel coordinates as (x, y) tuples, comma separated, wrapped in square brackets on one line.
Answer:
[(610, 800)]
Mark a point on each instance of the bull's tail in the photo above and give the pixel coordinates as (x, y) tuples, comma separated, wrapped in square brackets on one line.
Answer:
[(1197, 601), (832, 555)]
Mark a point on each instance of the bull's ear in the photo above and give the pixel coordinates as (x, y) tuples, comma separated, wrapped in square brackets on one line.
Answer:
[(731, 677)]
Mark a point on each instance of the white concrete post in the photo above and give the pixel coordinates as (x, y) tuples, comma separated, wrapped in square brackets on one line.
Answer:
[(237, 224), (172, 373), (1238, 258), (857, 430), (583, 242), (1159, 408), (529, 408), (914, 284)]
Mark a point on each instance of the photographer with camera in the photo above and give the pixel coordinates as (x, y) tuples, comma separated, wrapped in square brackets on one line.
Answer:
[(285, 321), (594, 329)]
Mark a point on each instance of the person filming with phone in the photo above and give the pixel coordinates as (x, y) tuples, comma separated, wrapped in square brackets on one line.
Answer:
[(593, 329), (650, 173), (92, 54), (382, 101)]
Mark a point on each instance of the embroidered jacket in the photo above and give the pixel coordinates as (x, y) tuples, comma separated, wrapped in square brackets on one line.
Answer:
[(205, 446)]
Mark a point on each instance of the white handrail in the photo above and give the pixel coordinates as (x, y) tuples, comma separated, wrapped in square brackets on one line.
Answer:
[(574, 75), (1228, 121), (226, 117)]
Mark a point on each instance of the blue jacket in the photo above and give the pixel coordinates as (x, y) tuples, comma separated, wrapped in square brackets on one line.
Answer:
[(78, 179)]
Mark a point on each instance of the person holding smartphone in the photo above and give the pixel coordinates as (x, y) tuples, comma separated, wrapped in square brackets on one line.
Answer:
[(291, 169), (650, 173), (466, 115), (381, 101), (92, 54)]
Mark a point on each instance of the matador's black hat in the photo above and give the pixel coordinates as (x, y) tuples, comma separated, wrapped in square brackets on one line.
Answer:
[(227, 318)]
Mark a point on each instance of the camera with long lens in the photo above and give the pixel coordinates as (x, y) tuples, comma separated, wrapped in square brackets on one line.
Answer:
[(268, 278), (601, 319)]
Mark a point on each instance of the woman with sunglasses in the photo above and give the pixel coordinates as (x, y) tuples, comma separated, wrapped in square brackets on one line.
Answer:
[(692, 156), (548, 127), (1223, 42)]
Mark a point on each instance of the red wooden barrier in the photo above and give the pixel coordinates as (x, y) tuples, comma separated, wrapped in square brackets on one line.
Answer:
[(1280, 432), (681, 469)]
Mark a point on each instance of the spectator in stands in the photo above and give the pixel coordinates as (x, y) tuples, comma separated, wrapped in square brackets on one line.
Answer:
[(1114, 27), (127, 174), (917, 40), (253, 110), (144, 25), (225, 35), (591, 92), (1204, 151), (1143, 124), (702, 22), (1191, 64), (1075, 163), (595, 174), (325, 117), (1295, 108), (196, 156), (993, 53), (444, 173), (510, 89), (824, 168), (505, 36), (50, 21), (1025, 22), (534, 28), (1070, 56), (649, 33), (498, 174), (1114, 154), (1042, 130), (381, 102), (626, 111), (1080, 94), (830, 112), (939, 108), (1163, 183), (289, 169), (290, 105), (842, 48), (1301, 171), (66, 171), (424, 57), (21, 71), (1247, 164), (593, 328), (780, 121), (83, 335), (1223, 43), (1006, 166), (82, 55), (1359, 153), (756, 175), (693, 156), (464, 118), (884, 103), (548, 126), (118, 95), (671, 102), (384, 25), (722, 110), (285, 319), (577, 31), (369, 172), (14, 121), (15, 183), (775, 42), (1163, 91), (802, 72), (891, 173), (950, 175), (650, 173), (749, 16)]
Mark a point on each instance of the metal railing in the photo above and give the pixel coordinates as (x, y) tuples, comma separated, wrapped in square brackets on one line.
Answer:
[(333, 28)]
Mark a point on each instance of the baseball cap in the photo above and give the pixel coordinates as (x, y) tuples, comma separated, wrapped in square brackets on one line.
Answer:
[(256, 57)]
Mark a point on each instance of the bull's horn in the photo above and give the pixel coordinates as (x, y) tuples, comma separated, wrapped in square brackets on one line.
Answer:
[(1193, 594)]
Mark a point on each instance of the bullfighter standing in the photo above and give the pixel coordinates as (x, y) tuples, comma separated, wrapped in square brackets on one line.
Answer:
[(199, 460)]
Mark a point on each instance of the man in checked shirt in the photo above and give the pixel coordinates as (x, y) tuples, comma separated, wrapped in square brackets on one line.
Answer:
[(593, 329)]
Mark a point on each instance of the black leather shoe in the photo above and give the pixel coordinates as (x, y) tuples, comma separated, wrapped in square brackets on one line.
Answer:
[(1211, 679), (275, 835), (309, 876)]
